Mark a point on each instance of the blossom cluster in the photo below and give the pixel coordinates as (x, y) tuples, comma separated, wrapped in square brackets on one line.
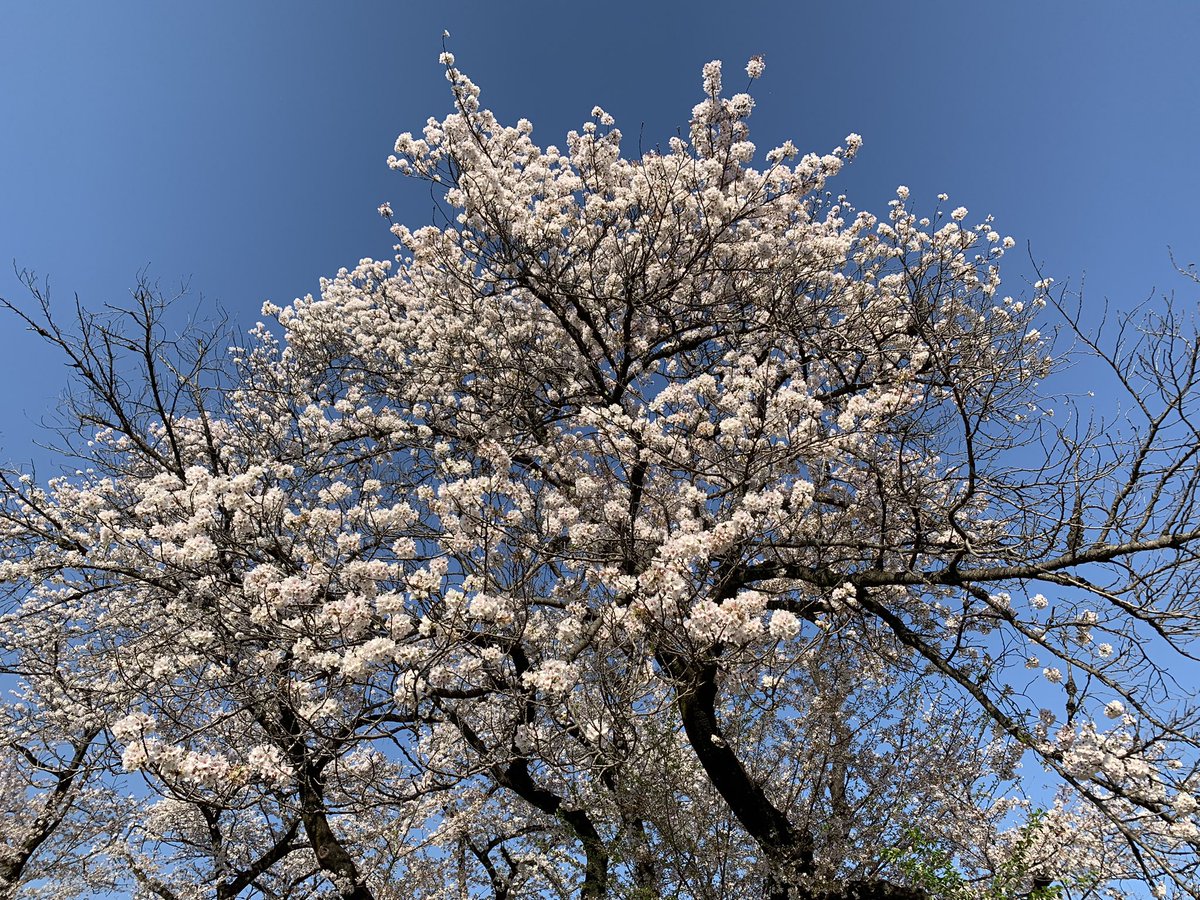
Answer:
[(458, 560)]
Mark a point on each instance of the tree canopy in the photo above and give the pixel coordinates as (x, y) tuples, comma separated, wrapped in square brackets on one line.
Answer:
[(652, 526)]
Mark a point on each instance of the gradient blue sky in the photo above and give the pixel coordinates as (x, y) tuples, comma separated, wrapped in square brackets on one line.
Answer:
[(241, 146)]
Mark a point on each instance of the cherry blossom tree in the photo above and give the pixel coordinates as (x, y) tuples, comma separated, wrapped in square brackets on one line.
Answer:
[(656, 526)]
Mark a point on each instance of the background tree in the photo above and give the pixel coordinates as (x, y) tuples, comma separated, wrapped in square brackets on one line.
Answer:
[(656, 526)]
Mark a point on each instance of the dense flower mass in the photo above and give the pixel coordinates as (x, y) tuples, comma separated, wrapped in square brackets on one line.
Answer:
[(659, 525)]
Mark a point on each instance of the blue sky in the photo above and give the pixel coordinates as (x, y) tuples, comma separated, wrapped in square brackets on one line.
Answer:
[(241, 147)]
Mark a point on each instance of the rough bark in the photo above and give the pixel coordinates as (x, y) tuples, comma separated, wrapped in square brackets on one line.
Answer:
[(787, 850), (54, 809)]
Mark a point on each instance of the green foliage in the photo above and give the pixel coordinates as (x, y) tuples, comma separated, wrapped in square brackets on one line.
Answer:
[(930, 867)]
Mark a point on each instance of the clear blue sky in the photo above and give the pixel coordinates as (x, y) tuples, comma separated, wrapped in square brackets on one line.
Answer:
[(241, 146)]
